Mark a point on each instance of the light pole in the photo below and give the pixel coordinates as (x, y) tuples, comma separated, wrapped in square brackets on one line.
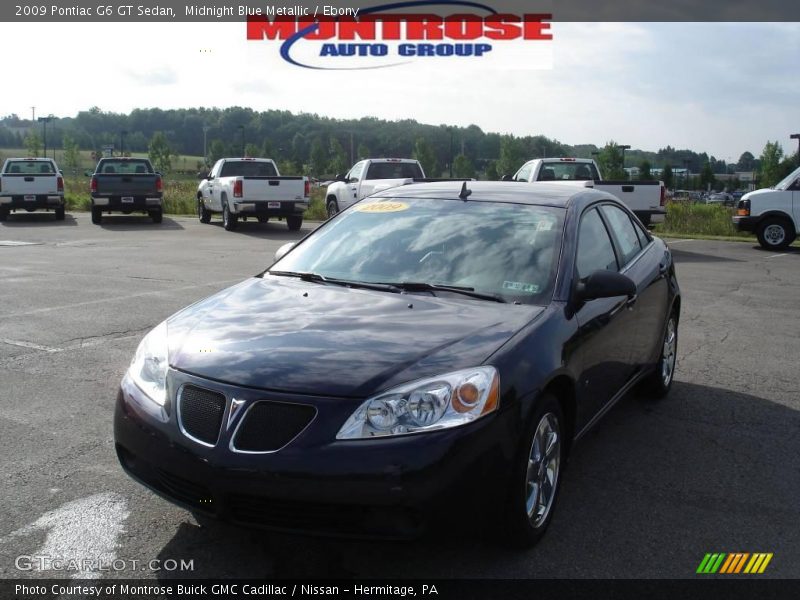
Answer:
[(624, 147), (796, 136), (686, 163), (122, 135), (205, 145), (44, 121), (451, 152)]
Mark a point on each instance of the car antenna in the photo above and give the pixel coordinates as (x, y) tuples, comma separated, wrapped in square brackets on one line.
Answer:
[(464, 194)]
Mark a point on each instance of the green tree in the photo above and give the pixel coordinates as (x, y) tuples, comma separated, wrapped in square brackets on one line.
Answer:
[(644, 171), (512, 155), (159, 152), (252, 151), (363, 151), (216, 150), (610, 161), (707, 176), (463, 167), (72, 155), (318, 158), (338, 158), (288, 167), (424, 153), (667, 176), (33, 144), (746, 162), (491, 171), (770, 164)]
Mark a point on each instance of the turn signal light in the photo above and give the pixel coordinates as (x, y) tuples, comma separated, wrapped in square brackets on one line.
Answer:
[(237, 188), (308, 188), (159, 184), (60, 184), (93, 184)]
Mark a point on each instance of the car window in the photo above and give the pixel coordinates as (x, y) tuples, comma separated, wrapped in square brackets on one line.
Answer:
[(355, 173), (246, 168), (623, 230), (524, 173), (393, 170), (30, 167), (124, 166), (644, 237), (595, 250), (568, 170)]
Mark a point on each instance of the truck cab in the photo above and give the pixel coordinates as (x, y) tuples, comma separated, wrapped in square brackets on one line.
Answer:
[(369, 176), (773, 214)]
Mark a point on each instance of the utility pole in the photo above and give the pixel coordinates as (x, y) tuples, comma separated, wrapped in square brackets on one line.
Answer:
[(33, 114), (44, 121), (205, 145)]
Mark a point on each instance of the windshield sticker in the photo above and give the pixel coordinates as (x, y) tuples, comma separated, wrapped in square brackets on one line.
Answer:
[(521, 286), (382, 207)]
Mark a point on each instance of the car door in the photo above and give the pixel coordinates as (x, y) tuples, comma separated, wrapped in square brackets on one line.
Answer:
[(795, 188), (606, 326), (647, 266), (352, 185), (211, 189)]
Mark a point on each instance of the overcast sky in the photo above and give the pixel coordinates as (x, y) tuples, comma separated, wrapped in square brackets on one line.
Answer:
[(715, 87)]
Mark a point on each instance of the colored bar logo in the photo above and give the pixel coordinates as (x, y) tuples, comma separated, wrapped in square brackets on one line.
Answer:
[(734, 563)]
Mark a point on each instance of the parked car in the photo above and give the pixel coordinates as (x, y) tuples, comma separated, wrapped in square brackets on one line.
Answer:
[(773, 214), (369, 176), (432, 352), (126, 185), (722, 198), (31, 184), (242, 187), (646, 199)]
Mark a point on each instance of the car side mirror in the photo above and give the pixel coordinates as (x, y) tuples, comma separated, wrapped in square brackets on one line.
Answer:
[(604, 284), (283, 250), (341, 177), (507, 178)]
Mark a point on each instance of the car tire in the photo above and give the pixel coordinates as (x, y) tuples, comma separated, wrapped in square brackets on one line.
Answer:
[(775, 233), (3, 214), (97, 215), (202, 212), (332, 208), (229, 220), (659, 382), (536, 476), (294, 223), (156, 215), (60, 213), (263, 219)]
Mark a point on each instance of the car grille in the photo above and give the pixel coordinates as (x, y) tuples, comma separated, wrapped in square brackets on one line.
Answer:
[(269, 426), (184, 490), (200, 412)]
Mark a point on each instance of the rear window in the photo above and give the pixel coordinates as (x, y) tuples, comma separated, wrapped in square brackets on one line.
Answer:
[(246, 168), (125, 167), (567, 171), (393, 170), (30, 167)]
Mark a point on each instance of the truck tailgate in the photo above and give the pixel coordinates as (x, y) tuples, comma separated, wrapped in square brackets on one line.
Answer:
[(264, 189), (637, 195), (123, 185), (23, 185)]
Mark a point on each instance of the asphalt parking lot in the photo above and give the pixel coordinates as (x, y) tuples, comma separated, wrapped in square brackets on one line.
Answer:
[(711, 468)]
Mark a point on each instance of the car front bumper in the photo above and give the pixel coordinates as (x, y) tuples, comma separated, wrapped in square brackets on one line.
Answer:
[(379, 488), (745, 223)]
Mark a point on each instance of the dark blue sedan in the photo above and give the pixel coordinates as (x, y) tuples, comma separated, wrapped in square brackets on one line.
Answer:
[(427, 356)]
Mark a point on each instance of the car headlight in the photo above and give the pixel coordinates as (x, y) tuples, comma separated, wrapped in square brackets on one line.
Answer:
[(428, 404), (148, 368)]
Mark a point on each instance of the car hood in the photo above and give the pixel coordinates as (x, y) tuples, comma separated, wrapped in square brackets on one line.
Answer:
[(289, 335), (758, 192)]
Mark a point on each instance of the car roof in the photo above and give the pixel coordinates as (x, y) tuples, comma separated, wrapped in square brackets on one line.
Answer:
[(541, 194)]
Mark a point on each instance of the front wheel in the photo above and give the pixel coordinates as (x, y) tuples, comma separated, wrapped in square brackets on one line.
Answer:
[(3, 214), (294, 223), (229, 220), (536, 476), (97, 215), (775, 234), (202, 212), (332, 208), (659, 382)]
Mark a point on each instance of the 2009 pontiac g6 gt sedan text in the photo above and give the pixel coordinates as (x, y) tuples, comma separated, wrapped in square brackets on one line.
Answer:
[(431, 352)]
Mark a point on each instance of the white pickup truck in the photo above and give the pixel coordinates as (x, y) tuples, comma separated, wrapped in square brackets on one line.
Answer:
[(242, 187), (645, 198), (31, 184), (773, 214), (368, 177)]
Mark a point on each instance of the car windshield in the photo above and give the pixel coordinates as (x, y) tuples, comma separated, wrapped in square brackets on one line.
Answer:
[(503, 250), (30, 167), (788, 180)]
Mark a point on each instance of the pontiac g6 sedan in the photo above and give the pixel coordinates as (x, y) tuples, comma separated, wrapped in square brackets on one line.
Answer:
[(428, 355)]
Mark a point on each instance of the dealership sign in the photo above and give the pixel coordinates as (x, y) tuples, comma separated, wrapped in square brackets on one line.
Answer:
[(382, 36)]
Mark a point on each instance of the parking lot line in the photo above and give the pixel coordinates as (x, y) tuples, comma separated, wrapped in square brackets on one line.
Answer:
[(777, 255)]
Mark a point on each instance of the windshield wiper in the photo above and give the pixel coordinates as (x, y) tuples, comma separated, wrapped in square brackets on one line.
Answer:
[(317, 278), (424, 286)]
